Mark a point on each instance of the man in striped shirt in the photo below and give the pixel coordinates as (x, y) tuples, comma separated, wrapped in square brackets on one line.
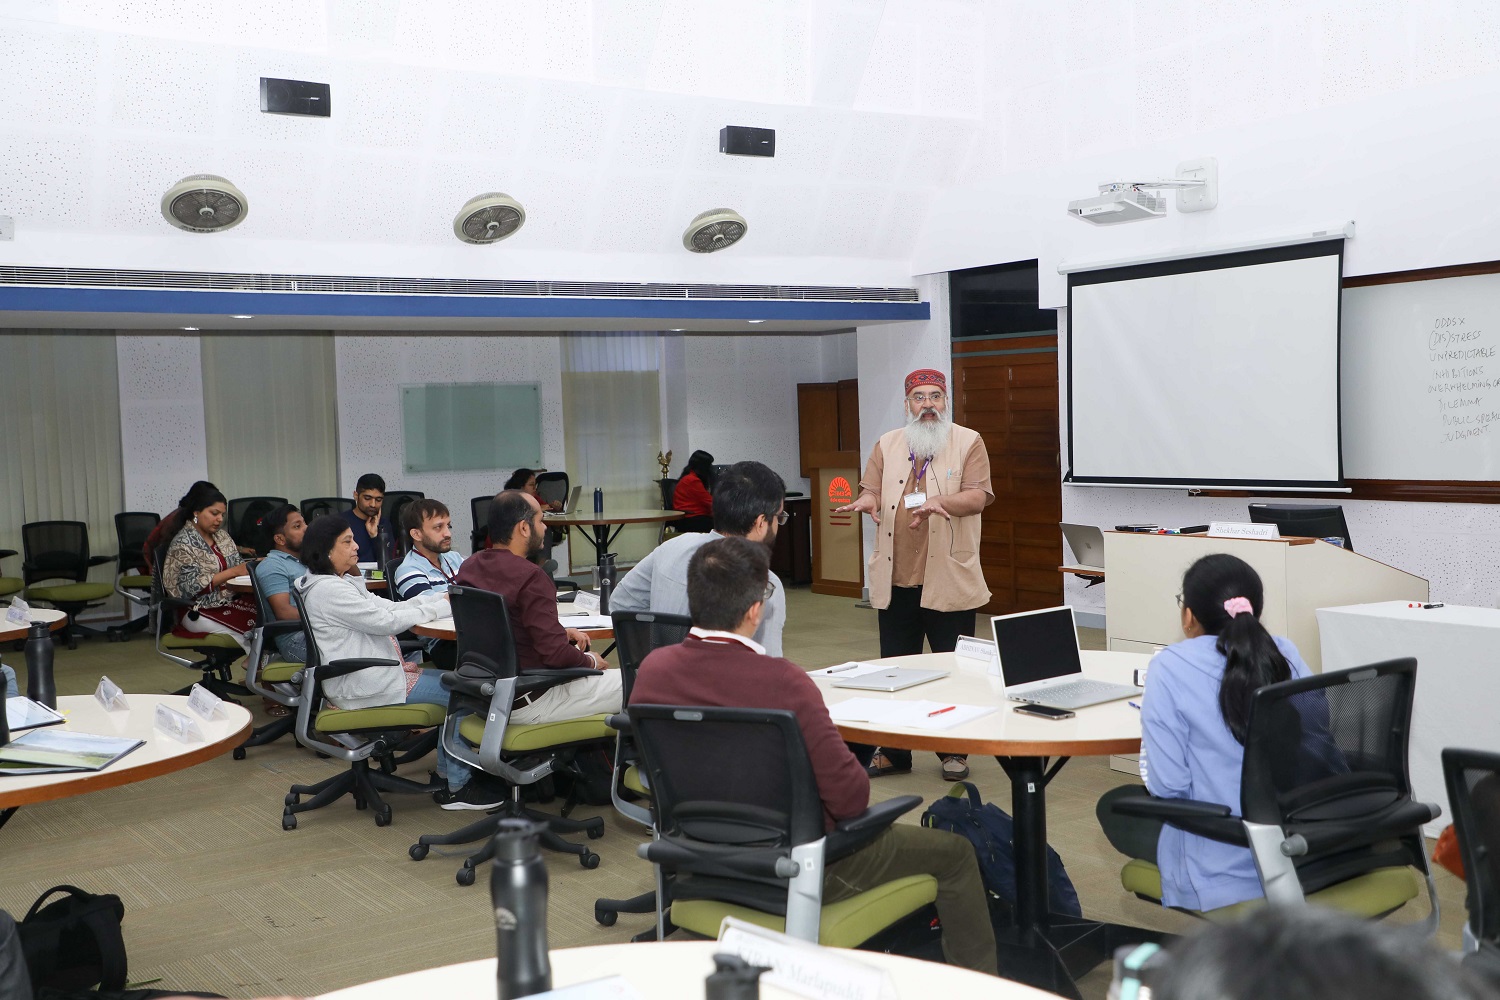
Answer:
[(430, 565)]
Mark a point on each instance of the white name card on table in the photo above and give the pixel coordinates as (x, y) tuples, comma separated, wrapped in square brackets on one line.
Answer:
[(109, 695), (1236, 529), (18, 612), (204, 703), (180, 727), (983, 650), (804, 968), (608, 988), (584, 603)]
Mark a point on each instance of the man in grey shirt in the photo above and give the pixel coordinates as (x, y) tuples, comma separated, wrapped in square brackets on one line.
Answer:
[(748, 503)]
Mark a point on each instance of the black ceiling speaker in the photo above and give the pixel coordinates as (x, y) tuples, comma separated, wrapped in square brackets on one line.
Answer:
[(741, 140), (294, 97)]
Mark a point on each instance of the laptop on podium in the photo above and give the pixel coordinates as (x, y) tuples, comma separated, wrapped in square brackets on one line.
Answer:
[(1040, 663)]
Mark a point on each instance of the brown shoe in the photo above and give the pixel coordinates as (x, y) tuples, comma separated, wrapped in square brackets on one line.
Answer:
[(955, 768), (880, 766)]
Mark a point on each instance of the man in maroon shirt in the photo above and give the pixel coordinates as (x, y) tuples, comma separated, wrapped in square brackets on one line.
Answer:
[(720, 665), (516, 534)]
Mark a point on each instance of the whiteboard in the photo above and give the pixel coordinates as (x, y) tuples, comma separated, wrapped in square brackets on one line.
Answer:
[(1420, 379)]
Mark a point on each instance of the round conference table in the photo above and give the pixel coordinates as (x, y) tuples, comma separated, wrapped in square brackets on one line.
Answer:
[(161, 754), (51, 617), (1045, 949), (603, 538), (675, 970)]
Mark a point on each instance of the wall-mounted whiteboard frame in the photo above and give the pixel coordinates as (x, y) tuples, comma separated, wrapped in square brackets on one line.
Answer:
[(471, 426)]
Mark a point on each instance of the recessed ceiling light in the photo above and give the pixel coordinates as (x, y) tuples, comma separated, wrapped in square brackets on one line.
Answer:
[(191, 329), (675, 329), (241, 316), (754, 321)]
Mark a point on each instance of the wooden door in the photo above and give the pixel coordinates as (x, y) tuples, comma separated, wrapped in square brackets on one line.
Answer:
[(1006, 389)]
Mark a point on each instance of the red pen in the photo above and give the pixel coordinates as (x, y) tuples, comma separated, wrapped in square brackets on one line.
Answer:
[(941, 711)]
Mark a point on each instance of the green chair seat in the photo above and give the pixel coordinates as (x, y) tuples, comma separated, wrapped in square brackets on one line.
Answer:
[(350, 720), (10, 585), (70, 593), (277, 672), (540, 735), (135, 582), (845, 924), (214, 640), (633, 781), (1370, 895)]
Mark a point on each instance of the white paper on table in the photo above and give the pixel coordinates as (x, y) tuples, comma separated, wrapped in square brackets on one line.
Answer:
[(853, 668), (587, 621), (909, 714), (23, 713)]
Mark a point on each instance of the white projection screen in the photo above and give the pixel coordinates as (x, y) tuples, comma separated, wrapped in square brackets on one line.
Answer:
[(1214, 371)]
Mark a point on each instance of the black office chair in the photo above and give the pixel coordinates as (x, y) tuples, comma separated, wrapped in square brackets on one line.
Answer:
[(279, 681), (552, 487), (10, 584), (378, 733), (750, 842), (668, 487), (479, 510), (478, 730), (242, 518), (132, 528), (1325, 799), (315, 507), (637, 633), (59, 550), (395, 503), (215, 652), (1473, 779)]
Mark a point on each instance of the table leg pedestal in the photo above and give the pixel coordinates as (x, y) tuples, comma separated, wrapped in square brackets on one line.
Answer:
[(1044, 949)]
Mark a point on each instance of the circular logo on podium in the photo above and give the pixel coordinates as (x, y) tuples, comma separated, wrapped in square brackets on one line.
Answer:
[(839, 491)]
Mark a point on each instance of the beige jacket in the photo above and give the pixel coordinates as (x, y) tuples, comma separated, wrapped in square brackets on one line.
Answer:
[(953, 580)]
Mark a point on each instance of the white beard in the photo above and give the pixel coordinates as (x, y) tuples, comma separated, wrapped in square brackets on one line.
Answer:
[(925, 438)]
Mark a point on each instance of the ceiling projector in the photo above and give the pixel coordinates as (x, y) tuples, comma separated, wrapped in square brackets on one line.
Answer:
[(1119, 203)]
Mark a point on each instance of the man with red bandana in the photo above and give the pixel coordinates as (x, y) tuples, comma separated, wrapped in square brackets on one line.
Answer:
[(925, 486)]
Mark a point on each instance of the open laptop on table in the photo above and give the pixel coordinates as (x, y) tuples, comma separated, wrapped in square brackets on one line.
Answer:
[(1087, 543), (1040, 664), (571, 507)]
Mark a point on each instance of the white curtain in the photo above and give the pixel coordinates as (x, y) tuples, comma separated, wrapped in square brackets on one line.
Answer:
[(60, 457), (270, 413), (612, 412)]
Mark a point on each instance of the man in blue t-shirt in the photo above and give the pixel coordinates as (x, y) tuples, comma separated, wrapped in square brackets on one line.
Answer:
[(275, 573), (430, 565), (368, 523)]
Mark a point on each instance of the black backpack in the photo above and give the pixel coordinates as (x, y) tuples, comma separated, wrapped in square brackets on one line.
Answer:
[(74, 943), (989, 828)]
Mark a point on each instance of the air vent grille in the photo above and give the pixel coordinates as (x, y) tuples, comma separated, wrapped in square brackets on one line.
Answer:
[(212, 281)]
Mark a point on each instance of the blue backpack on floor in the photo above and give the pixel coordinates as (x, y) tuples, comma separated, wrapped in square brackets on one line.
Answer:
[(989, 829)]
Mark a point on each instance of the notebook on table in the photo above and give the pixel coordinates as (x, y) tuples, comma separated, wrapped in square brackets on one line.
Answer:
[(1040, 663)]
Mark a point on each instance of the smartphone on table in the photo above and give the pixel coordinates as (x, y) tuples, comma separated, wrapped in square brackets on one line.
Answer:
[(1044, 712)]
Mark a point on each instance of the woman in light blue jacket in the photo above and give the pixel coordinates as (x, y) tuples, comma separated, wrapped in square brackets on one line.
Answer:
[(1193, 720)]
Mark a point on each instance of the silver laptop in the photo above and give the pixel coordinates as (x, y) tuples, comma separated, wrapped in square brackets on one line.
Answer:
[(894, 679), (571, 507), (1087, 543), (1040, 665)]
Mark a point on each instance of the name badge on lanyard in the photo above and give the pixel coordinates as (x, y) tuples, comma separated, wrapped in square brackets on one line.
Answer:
[(917, 497)]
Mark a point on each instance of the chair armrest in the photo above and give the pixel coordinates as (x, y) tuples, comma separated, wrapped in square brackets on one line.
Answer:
[(619, 722), (412, 645), (716, 860), (1206, 819), (851, 834), (1401, 819), (101, 560), (531, 681), (7, 552), (281, 626), (474, 687), (342, 668)]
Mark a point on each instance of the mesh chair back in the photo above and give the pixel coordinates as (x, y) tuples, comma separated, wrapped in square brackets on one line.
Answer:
[(315, 507), (479, 509), (637, 633), (774, 803), (668, 488), (1474, 794), (243, 516), (390, 580), (55, 550), (313, 658), (132, 528), (552, 487), (481, 624), (395, 503)]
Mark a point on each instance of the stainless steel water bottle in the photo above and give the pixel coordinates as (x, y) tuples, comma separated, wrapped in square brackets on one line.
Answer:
[(40, 686), (518, 889)]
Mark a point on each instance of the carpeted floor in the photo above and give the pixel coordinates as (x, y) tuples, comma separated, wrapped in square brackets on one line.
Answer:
[(219, 898)]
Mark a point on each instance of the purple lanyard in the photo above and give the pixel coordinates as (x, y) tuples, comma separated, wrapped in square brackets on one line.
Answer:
[(917, 484)]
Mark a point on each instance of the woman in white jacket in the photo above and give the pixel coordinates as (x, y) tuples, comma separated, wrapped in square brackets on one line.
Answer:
[(349, 622)]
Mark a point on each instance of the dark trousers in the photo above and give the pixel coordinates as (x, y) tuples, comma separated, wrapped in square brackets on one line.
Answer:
[(1132, 836), (15, 979), (902, 850), (903, 627)]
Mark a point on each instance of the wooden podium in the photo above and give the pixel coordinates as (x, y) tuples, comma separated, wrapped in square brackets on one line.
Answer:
[(1300, 575), (837, 547)]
